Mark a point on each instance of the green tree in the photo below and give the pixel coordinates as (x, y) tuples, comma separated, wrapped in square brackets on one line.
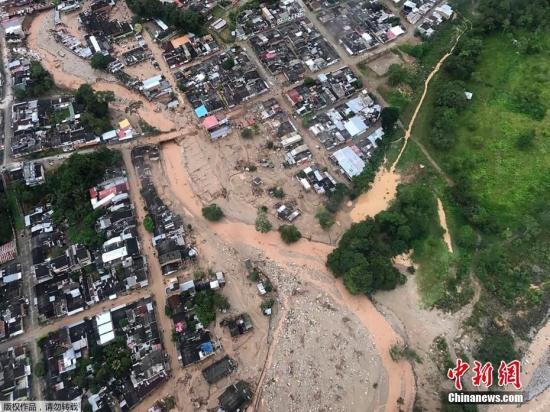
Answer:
[(466, 237), (149, 224), (262, 224), (336, 197), (389, 117), (212, 212), (526, 140), (206, 303), (39, 369), (325, 218), (289, 233), (308, 81), (100, 61), (247, 133), (228, 64)]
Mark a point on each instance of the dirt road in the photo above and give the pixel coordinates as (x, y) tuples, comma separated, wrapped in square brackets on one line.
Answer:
[(156, 280), (38, 332), (386, 181)]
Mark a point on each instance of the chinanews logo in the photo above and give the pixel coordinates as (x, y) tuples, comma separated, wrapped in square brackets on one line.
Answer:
[(508, 376)]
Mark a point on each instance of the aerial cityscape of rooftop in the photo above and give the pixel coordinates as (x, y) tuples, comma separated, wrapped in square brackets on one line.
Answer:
[(274, 205)]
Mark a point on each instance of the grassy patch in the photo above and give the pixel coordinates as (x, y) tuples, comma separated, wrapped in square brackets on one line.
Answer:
[(488, 131)]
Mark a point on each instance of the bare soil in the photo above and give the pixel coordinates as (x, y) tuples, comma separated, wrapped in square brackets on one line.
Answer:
[(381, 64)]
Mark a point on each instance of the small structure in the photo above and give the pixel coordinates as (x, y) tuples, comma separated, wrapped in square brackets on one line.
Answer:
[(349, 161), (236, 397), (238, 325), (219, 370)]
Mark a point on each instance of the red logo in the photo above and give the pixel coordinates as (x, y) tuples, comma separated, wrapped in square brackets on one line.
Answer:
[(456, 373), (508, 374), (483, 374)]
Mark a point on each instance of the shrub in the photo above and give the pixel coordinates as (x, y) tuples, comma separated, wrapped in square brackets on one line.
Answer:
[(308, 81), (278, 192), (247, 133), (168, 311), (336, 197), (228, 63), (325, 218), (289, 233), (526, 141), (389, 117), (267, 304), (466, 237), (39, 369), (263, 225), (149, 224), (100, 61), (212, 213)]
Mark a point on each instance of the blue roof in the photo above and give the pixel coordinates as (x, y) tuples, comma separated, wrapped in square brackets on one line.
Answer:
[(207, 347), (201, 111)]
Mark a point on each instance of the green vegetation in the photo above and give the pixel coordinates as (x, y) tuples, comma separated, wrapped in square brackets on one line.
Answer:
[(267, 304), (308, 81), (39, 369), (363, 256), (247, 133), (206, 303), (147, 129), (325, 218), (398, 352), (212, 212), (442, 356), (402, 75), (67, 189), (228, 63), (45, 153), (496, 154), (6, 231), (100, 61), (363, 181), (336, 197), (278, 192), (149, 224), (112, 360), (40, 82), (497, 345), (494, 148), (188, 21), (96, 108), (289, 233), (263, 225)]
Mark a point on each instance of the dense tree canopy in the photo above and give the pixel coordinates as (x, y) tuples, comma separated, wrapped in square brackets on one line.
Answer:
[(363, 256), (100, 61), (96, 108), (188, 21), (40, 82), (68, 188), (212, 212), (289, 233)]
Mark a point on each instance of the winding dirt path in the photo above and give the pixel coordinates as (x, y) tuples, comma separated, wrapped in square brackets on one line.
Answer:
[(387, 180), (305, 253)]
